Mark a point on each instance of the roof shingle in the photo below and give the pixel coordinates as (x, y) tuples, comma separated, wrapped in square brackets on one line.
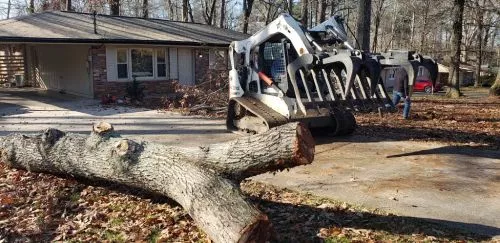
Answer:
[(56, 26)]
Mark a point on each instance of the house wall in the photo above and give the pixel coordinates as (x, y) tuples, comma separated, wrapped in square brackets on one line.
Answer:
[(188, 65), (61, 67)]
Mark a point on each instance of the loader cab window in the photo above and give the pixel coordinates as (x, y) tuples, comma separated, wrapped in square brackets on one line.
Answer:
[(272, 62)]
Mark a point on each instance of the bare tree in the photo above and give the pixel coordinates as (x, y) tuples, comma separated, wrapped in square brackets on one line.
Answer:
[(321, 11), (31, 8), (145, 11), (209, 11), (364, 22), (222, 13), (378, 17), (289, 7), (426, 4), (304, 12), (247, 10), (9, 6), (479, 54), (69, 6), (114, 6), (457, 15), (495, 88), (185, 10)]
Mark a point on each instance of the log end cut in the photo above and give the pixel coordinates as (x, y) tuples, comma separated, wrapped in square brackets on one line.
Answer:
[(304, 146)]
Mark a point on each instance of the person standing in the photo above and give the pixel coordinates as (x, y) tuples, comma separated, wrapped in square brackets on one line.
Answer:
[(401, 91)]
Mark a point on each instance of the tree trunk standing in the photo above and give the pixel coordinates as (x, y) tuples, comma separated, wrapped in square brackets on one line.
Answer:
[(203, 180), (247, 10), (290, 7), (222, 22), (170, 8), (69, 6), (424, 25), (364, 23), (8, 9), (304, 12), (321, 11), (31, 8), (454, 77), (115, 7), (378, 17), (185, 10), (145, 9), (479, 53), (190, 10), (495, 88)]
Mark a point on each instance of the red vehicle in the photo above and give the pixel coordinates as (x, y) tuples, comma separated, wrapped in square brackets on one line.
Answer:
[(425, 86)]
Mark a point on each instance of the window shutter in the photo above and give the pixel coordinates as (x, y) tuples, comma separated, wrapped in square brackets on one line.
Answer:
[(173, 63), (111, 63)]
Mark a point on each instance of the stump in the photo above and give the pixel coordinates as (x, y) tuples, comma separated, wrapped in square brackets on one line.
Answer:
[(204, 180)]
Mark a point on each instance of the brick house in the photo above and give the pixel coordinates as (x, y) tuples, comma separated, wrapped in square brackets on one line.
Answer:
[(92, 55)]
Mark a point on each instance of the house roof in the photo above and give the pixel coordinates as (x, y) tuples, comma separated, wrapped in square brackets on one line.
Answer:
[(446, 69), (71, 27)]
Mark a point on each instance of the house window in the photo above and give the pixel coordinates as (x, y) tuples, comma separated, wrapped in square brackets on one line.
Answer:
[(217, 59), (122, 63), (142, 62), (161, 63)]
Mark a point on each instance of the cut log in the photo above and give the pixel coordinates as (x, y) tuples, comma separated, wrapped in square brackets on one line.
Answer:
[(204, 180)]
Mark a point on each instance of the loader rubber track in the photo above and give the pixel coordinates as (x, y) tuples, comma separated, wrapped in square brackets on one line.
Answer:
[(270, 117)]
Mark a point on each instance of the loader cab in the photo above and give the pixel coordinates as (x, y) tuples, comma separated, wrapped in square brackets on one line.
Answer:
[(272, 58)]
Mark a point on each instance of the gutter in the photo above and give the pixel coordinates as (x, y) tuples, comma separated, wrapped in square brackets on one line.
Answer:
[(107, 41)]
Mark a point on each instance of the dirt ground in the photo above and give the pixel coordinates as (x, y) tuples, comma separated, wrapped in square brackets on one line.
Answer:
[(432, 178)]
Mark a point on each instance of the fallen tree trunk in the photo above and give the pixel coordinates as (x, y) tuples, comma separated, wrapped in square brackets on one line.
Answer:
[(203, 180)]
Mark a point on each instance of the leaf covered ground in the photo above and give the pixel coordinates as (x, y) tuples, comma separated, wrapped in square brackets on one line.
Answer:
[(40, 208), (472, 121)]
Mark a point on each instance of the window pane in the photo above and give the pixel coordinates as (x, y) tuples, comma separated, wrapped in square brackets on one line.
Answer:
[(162, 72), (142, 62), (122, 71), (160, 55), (121, 56)]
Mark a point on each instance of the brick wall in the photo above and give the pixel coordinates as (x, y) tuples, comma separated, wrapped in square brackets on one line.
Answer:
[(152, 88), (119, 88)]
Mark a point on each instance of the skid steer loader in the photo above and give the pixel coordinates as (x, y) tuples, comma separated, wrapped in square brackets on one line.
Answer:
[(284, 73)]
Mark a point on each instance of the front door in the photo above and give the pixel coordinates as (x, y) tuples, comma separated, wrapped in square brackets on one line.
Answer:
[(186, 66)]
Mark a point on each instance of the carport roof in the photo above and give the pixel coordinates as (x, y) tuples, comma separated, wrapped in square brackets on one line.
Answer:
[(72, 27)]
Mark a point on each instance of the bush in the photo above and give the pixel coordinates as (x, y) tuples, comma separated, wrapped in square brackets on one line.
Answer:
[(135, 91)]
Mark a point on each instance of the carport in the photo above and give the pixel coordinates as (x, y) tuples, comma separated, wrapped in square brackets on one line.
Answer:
[(64, 68)]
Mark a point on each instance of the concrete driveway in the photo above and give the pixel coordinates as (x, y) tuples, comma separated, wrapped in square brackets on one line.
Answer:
[(458, 186), (32, 110)]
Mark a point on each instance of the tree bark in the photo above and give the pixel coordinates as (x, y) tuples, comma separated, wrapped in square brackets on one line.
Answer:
[(454, 77), (203, 180), (364, 22)]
